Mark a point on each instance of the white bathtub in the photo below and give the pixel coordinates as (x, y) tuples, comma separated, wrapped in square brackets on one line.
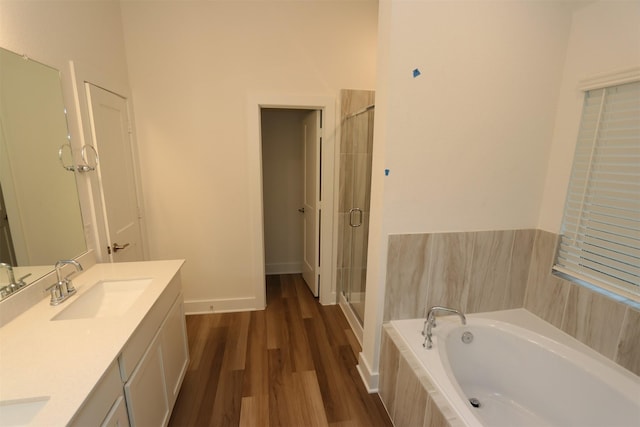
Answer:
[(523, 372)]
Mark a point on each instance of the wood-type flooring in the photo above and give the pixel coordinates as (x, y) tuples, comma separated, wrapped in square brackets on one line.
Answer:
[(292, 364)]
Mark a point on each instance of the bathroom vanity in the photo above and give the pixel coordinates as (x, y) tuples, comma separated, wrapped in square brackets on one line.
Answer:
[(114, 354)]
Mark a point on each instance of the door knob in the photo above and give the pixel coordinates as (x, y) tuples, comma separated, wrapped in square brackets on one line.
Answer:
[(301, 210), (117, 247)]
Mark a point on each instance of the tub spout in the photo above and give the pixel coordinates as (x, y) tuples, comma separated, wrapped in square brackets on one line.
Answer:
[(430, 323)]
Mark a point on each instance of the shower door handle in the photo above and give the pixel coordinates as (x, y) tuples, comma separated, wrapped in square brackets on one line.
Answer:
[(353, 211)]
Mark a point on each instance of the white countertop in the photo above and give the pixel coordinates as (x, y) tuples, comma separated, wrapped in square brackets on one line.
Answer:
[(65, 359)]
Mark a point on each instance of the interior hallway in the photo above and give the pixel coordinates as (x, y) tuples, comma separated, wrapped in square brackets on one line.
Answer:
[(293, 364)]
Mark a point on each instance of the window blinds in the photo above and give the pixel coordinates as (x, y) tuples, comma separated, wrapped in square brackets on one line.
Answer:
[(600, 240)]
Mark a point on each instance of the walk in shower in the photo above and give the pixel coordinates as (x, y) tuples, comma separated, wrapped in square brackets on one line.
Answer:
[(356, 143)]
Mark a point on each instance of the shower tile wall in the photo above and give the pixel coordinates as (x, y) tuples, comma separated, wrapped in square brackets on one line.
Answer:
[(496, 270), (356, 144)]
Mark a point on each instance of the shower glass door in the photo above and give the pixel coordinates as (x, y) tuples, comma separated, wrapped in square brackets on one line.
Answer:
[(355, 191)]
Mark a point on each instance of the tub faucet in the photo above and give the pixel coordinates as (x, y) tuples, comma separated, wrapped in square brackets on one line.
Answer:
[(430, 322)]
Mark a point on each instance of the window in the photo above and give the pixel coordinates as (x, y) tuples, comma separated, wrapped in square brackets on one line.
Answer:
[(600, 242)]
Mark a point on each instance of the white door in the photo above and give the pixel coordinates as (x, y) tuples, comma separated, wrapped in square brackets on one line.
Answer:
[(310, 260), (110, 128)]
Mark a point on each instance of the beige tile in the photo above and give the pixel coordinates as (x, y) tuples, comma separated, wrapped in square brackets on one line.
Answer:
[(629, 345), (546, 295), (352, 100), (339, 255), (519, 268), (548, 299), (593, 319), (370, 132), (346, 139), (406, 288), (433, 416), (449, 269), (360, 133), (389, 359), (544, 249), (489, 270), (410, 410), (361, 180), (345, 197)]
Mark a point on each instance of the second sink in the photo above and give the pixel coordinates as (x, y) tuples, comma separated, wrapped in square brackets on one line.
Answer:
[(106, 298)]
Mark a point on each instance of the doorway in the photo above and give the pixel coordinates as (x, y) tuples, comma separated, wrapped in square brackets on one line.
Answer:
[(291, 141), (325, 208)]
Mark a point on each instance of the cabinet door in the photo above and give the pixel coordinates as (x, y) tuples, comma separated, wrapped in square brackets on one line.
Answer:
[(146, 392), (175, 350), (117, 416)]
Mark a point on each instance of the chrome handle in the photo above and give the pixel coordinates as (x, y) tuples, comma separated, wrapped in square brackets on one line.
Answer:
[(351, 215), (69, 167), (117, 247), (86, 167), (20, 281)]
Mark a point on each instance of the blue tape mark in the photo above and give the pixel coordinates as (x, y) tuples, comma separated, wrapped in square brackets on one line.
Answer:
[(416, 73), (386, 172)]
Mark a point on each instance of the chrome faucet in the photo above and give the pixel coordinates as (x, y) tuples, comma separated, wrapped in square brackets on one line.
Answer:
[(12, 278), (14, 284), (430, 322), (63, 288)]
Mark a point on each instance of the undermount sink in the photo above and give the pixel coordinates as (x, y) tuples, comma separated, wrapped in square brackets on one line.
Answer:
[(106, 298), (20, 412)]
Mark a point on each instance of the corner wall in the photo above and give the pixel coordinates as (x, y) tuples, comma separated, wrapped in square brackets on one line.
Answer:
[(467, 140), (193, 67)]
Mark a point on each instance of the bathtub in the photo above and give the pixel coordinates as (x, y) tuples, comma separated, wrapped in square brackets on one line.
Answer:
[(520, 371)]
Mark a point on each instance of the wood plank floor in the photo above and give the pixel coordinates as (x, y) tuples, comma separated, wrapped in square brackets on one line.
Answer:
[(293, 364)]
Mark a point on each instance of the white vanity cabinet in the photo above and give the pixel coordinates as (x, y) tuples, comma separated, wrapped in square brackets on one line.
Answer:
[(102, 406), (118, 360), (146, 392), (175, 351), (151, 388), (117, 416)]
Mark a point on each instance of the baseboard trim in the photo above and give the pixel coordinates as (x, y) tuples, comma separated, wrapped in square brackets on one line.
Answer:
[(369, 378), (220, 305), (283, 268)]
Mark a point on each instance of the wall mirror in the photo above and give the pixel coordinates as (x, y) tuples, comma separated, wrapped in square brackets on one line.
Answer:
[(40, 218)]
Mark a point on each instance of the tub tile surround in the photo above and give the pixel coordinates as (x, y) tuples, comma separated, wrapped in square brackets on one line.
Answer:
[(407, 393), (609, 327), (483, 271), (499, 270)]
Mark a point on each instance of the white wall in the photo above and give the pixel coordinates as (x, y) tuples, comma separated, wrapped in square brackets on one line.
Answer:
[(605, 38), (192, 68), (466, 142)]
